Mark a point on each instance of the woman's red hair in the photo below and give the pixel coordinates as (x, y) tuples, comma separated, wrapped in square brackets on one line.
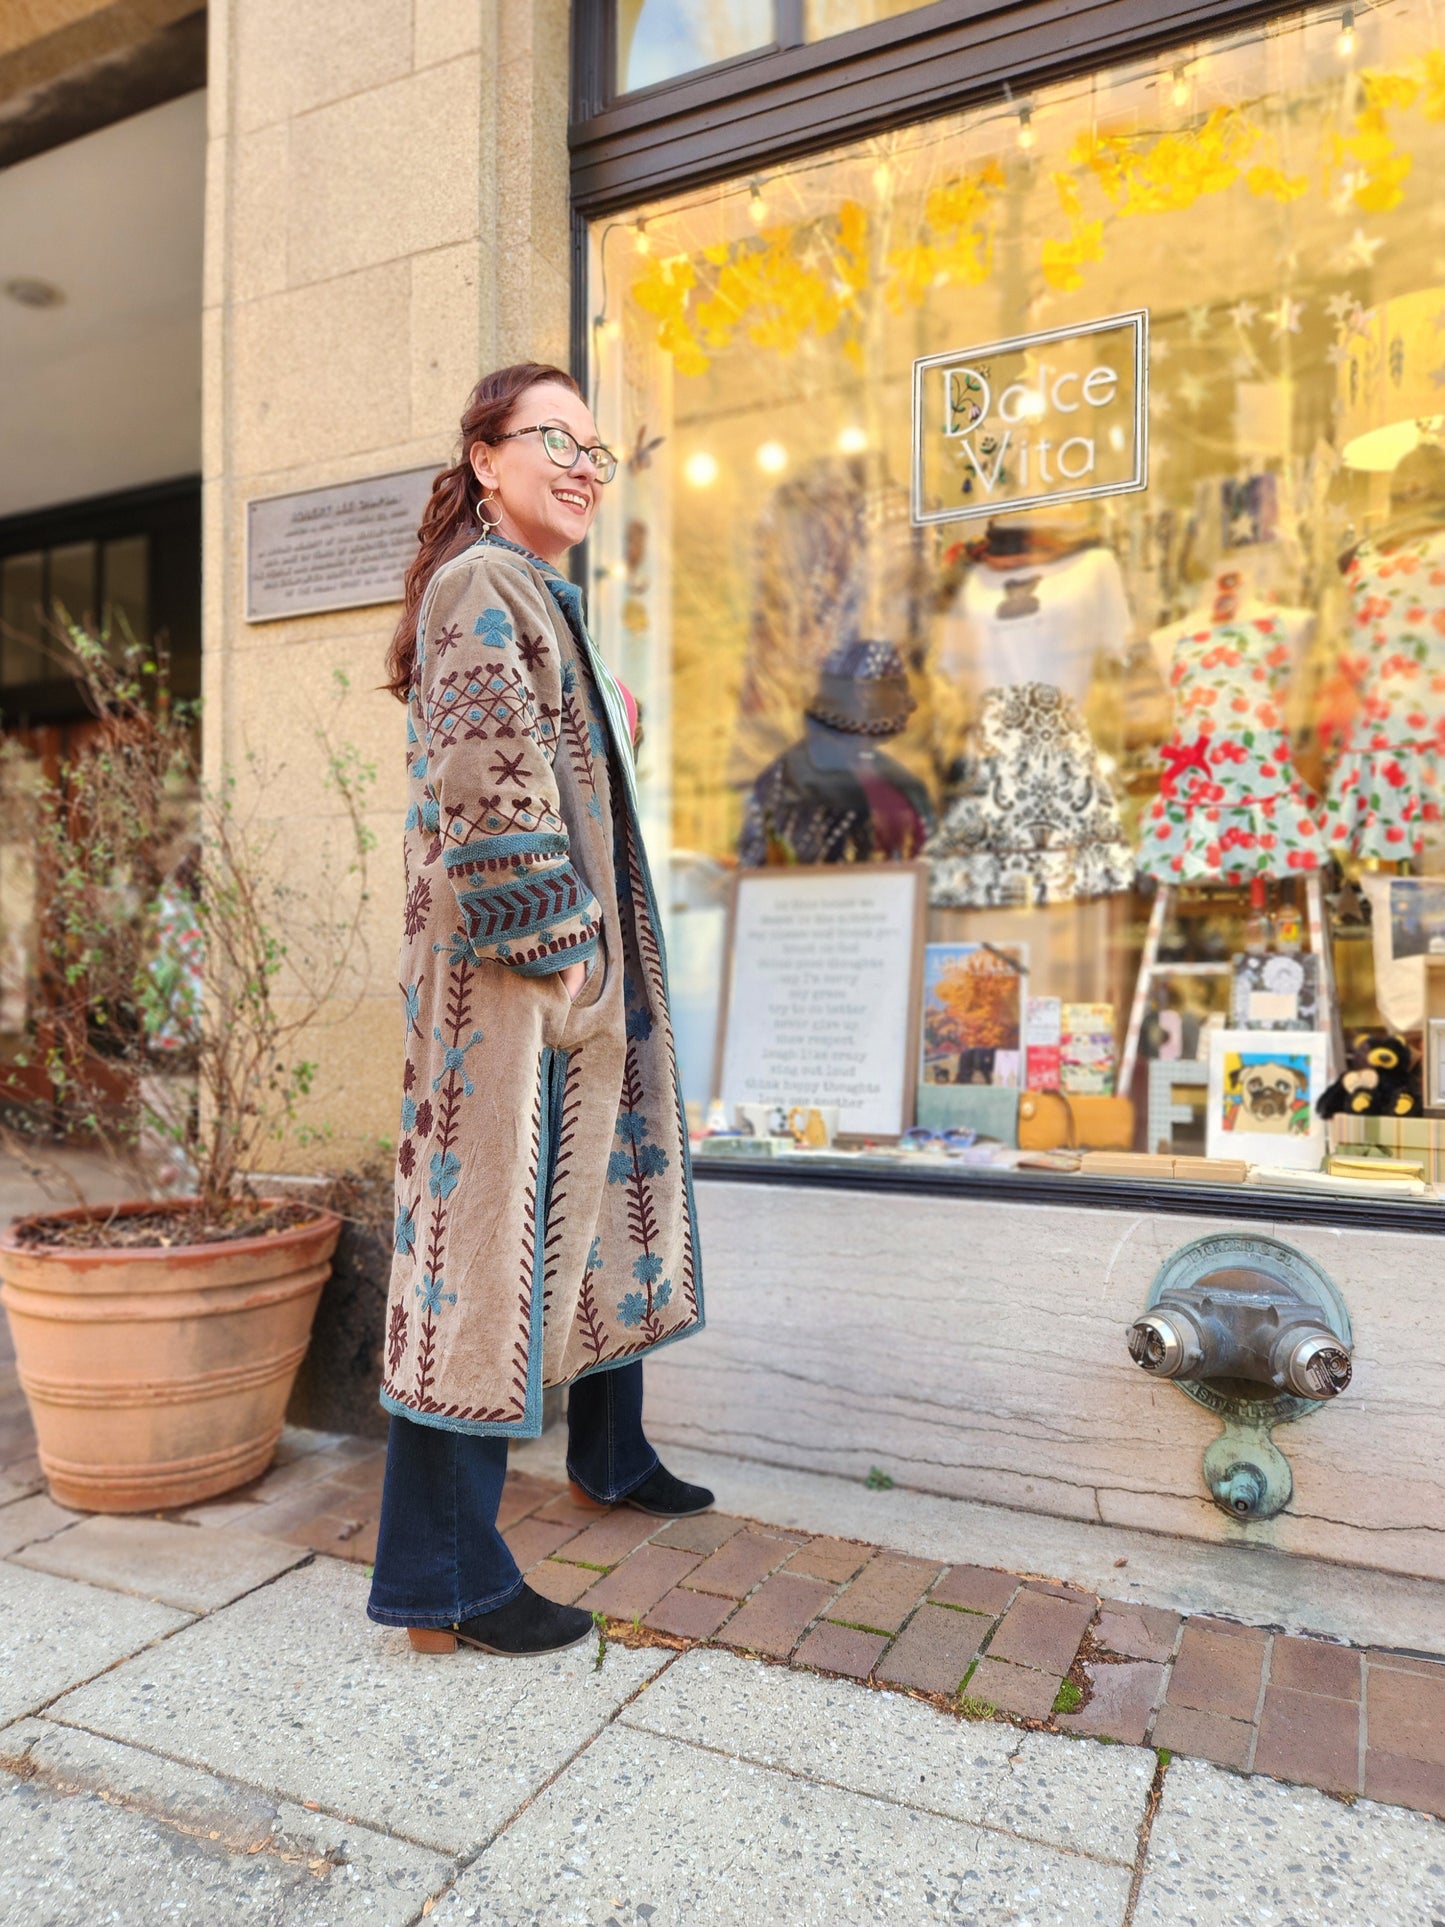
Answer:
[(450, 523)]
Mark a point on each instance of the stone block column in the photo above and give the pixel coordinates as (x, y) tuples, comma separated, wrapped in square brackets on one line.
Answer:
[(386, 218)]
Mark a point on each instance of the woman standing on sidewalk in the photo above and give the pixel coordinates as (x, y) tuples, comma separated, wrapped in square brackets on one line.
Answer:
[(545, 1232)]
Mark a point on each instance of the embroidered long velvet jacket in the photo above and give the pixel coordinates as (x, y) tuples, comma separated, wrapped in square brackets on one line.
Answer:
[(544, 1216)]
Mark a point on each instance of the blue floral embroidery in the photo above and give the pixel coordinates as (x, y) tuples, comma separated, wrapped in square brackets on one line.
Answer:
[(405, 1236), (411, 998), (647, 1269), (454, 1057), (408, 1113), (632, 1309), (663, 1294), (493, 628), (639, 1023), (594, 1255), (431, 1294), (444, 1172)]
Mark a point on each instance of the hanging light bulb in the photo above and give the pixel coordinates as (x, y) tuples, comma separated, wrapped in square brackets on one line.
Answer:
[(757, 206), (641, 239), (1027, 137), (1345, 44), (852, 440), (1179, 87), (882, 178), (772, 458)]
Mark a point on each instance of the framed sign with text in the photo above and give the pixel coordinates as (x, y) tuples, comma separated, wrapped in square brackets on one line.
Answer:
[(822, 994), (343, 547), (1044, 418)]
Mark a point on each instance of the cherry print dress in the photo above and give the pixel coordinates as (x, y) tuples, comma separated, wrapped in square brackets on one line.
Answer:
[(1231, 804), (1384, 788)]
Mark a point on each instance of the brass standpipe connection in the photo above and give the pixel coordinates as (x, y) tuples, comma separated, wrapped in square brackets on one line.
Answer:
[(1257, 1343)]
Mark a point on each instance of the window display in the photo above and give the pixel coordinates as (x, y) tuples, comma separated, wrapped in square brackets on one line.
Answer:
[(1051, 498)]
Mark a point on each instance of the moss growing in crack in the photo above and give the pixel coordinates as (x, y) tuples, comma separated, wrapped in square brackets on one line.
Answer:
[(878, 1480), (1069, 1697)]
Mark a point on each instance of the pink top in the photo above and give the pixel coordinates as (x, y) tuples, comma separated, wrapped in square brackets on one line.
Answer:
[(629, 703)]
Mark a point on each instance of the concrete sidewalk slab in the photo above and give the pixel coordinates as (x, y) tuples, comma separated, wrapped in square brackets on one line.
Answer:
[(55, 1633), (293, 1691), (97, 1831), (174, 1565), (645, 1829), (27, 1520), (1228, 1852), (1082, 1796)]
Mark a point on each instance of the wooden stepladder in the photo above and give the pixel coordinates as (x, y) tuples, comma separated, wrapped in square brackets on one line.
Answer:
[(1151, 971)]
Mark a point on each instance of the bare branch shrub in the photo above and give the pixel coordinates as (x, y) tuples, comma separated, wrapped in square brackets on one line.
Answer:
[(181, 971)]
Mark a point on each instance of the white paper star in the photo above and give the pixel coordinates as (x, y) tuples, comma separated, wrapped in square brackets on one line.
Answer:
[(1349, 186), (1243, 314), (1285, 319), (1198, 319), (1340, 305), (1191, 391), (1243, 366), (1159, 349), (1361, 248), (1337, 354), (1160, 404)]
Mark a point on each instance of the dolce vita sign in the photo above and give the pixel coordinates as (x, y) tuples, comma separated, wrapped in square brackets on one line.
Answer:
[(1053, 417)]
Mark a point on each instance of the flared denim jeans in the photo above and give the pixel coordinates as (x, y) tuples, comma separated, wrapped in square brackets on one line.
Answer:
[(439, 1556)]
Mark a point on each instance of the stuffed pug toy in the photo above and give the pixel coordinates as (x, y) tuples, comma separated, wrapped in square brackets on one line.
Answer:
[(1379, 1083)]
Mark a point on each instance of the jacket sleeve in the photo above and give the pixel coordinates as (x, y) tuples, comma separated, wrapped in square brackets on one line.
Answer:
[(489, 696)]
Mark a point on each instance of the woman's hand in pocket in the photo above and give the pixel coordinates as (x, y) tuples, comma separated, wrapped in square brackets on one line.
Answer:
[(573, 978)]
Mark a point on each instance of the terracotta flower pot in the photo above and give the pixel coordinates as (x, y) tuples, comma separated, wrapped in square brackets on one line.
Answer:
[(158, 1376)]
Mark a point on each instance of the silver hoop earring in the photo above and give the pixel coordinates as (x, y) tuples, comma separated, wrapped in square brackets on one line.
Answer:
[(488, 522)]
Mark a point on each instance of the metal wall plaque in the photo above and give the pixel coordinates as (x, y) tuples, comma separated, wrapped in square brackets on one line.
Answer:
[(333, 548), (1039, 419)]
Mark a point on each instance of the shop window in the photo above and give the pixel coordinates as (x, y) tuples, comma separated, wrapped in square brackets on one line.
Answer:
[(660, 40), (824, 18), (22, 601), (1163, 747)]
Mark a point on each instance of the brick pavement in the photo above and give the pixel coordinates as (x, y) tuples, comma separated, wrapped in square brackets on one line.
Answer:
[(985, 1643)]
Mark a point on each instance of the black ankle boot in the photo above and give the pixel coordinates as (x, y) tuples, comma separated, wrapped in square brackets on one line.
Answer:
[(526, 1625), (667, 1497)]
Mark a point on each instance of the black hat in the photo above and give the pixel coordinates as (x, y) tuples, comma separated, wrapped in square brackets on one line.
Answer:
[(863, 688)]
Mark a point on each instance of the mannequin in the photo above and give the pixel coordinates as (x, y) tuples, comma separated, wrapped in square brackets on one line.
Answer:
[(1385, 786), (834, 796), (1035, 820), (1231, 804)]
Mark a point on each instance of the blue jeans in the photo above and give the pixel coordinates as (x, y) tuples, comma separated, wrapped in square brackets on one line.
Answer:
[(439, 1555)]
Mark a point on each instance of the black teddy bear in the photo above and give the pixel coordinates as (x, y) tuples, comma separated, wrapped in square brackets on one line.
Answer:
[(1380, 1082)]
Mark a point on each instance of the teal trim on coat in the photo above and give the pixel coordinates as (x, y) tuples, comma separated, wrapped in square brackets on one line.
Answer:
[(549, 966), (496, 848)]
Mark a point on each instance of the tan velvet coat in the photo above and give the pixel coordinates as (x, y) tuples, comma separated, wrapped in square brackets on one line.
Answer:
[(544, 1213)]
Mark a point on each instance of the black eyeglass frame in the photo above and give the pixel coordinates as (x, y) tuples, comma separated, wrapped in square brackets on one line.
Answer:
[(544, 429)]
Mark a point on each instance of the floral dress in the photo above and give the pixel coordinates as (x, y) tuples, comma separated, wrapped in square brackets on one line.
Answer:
[(1231, 804), (1036, 821), (1385, 786)]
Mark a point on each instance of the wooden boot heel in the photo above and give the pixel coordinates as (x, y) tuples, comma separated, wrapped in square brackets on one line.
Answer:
[(585, 1499), (432, 1639)]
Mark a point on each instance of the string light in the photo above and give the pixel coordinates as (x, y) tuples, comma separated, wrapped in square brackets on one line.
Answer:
[(1345, 45), (882, 178), (757, 206), (772, 458), (1027, 136), (700, 469), (1179, 87), (641, 239), (852, 441)]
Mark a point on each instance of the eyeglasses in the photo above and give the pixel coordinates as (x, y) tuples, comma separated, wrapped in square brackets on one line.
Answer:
[(564, 449)]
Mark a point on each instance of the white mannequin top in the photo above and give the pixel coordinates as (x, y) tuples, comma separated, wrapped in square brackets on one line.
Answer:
[(1040, 622)]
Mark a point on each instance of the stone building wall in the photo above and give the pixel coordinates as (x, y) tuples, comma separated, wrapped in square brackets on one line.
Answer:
[(386, 218)]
